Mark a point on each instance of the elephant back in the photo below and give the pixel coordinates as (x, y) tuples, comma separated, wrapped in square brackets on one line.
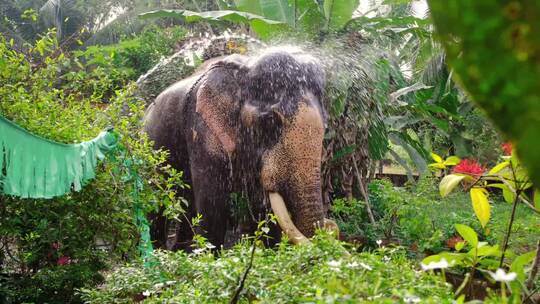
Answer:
[(185, 62)]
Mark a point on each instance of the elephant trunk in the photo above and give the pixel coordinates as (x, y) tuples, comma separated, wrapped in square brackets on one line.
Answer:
[(293, 169), (307, 209)]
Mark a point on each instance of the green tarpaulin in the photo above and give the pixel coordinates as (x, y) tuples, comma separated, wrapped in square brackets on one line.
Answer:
[(34, 167)]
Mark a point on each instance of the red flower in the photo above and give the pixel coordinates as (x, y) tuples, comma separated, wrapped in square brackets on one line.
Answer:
[(469, 166), (55, 245), (63, 260), (507, 148)]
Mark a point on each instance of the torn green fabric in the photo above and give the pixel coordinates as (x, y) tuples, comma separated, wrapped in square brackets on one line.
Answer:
[(140, 220), (35, 167)]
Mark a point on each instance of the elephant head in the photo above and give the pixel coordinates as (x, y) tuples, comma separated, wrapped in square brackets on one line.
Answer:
[(267, 112)]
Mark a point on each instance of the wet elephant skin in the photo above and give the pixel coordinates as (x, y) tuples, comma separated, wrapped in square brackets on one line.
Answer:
[(250, 125)]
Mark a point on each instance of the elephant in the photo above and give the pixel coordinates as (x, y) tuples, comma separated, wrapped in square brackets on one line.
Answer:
[(249, 123)]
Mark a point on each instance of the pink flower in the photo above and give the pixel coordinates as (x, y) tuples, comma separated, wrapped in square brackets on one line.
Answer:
[(507, 148), (470, 167), (63, 260), (55, 245)]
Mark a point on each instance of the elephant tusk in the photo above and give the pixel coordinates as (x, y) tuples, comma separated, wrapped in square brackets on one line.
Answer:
[(285, 221), (331, 226)]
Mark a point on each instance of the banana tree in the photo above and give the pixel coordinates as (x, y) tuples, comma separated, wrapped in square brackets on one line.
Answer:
[(269, 18)]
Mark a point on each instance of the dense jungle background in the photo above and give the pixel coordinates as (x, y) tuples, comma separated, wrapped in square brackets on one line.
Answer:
[(429, 167)]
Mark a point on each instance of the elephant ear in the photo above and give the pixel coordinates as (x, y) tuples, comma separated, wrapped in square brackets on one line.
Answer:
[(218, 102)]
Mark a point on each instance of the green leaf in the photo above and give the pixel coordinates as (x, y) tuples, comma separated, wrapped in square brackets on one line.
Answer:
[(485, 41), (249, 6), (499, 167), (338, 12), (280, 10), (191, 16), (468, 234), (507, 193), (537, 199), (309, 16), (487, 251), (437, 165), (448, 183), (264, 27), (343, 152), (453, 258), (414, 149), (431, 258), (436, 158), (459, 246), (519, 263), (481, 205), (265, 31), (452, 161), (378, 141)]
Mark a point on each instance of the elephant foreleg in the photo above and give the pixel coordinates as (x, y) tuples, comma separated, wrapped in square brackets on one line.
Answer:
[(211, 188), (159, 229)]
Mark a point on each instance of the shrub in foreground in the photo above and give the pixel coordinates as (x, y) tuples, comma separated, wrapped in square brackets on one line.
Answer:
[(317, 273), (49, 248)]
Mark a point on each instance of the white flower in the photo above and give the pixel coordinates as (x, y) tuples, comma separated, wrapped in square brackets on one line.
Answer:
[(159, 285), (334, 264), (198, 250), (435, 265), (379, 242), (210, 246), (501, 276), (355, 264), (146, 293), (411, 299), (386, 258), (374, 297), (169, 283), (366, 266)]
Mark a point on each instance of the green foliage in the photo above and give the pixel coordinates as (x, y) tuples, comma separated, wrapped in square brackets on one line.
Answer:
[(479, 255), (349, 215), (415, 113), (404, 218), (318, 272), (270, 18), (338, 13), (264, 27), (417, 217), (476, 34), (51, 247), (483, 257), (508, 176), (79, 22), (127, 60), (482, 139)]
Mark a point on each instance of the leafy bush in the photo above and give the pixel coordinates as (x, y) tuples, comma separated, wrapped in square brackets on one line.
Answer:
[(417, 217), (317, 273), (135, 55), (513, 103), (349, 215), (51, 247)]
